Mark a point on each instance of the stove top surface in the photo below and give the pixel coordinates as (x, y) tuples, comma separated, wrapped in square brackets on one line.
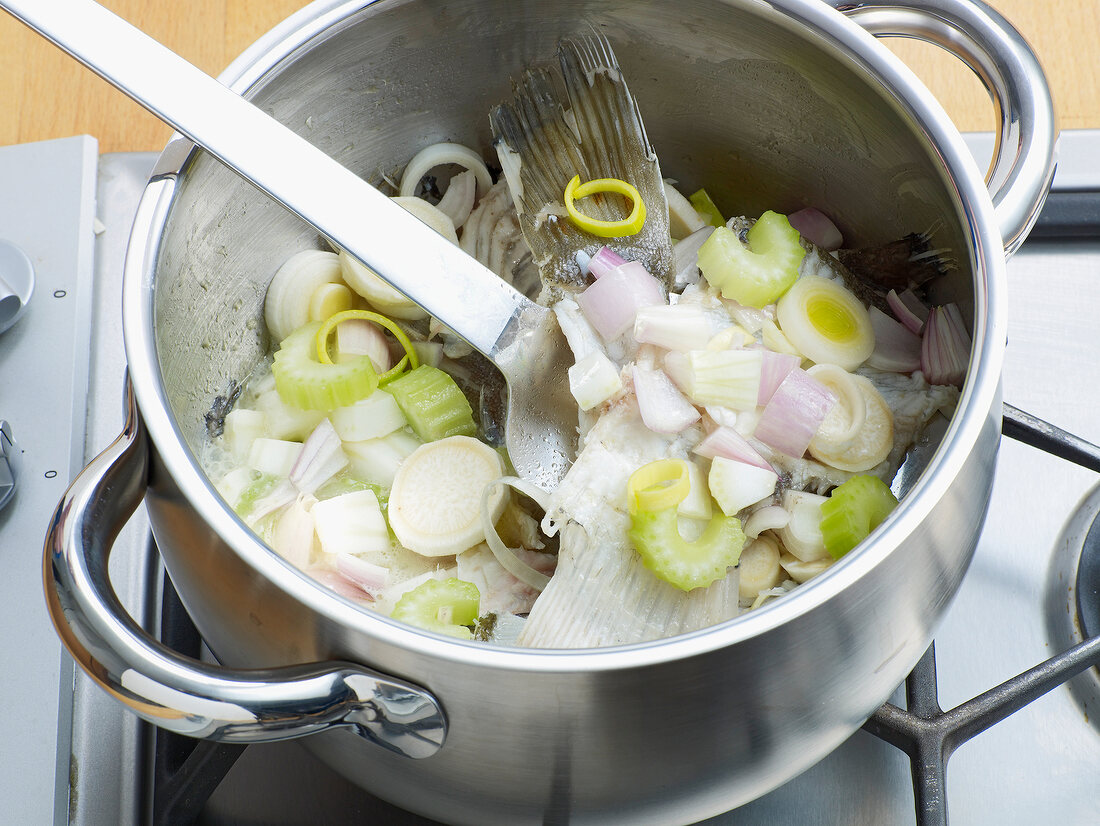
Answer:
[(1015, 609)]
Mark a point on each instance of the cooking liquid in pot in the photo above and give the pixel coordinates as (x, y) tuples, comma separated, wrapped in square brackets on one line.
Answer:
[(342, 486)]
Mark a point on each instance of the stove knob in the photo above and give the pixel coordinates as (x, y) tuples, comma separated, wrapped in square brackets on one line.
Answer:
[(8, 452), (16, 283)]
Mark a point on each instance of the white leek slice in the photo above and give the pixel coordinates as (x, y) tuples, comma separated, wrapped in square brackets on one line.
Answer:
[(730, 378), (759, 566), (281, 421), (858, 432), (274, 456), (351, 523), (435, 503), (683, 220), (680, 327), (380, 294), (507, 557), (593, 380), (242, 428), (375, 416), (697, 504), (801, 571), (287, 304), (767, 518), (294, 537), (736, 485), (826, 322), (801, 536), (328, 300), (441, 154), (377, 460)]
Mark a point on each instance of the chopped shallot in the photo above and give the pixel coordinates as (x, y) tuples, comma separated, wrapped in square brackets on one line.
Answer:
[(817, 228), (367, 576), (321, 458), (908, 309), (611, 303), (664, 408), (945, 348), (897, 348), (729, 444), (794, 413), (604, 261), (774, 368)]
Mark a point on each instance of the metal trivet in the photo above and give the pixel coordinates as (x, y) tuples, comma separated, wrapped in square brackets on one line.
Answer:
[(928, 734)]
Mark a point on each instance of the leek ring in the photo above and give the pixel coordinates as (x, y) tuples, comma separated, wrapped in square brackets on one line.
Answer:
[(631, 225)]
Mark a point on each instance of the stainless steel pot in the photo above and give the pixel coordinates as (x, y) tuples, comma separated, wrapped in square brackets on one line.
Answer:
[(772, 105)]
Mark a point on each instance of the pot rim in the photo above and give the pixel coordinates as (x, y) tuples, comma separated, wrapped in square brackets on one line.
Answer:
[(977, 403)]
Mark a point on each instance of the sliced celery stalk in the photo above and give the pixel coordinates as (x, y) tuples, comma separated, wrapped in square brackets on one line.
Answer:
[(687, 565), (433, 404), (703, 204), (852, 511), (446, 606), (758, 275), (305, 383)]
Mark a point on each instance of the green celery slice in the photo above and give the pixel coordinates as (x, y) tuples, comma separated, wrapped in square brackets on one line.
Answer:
[(703, 204), (687, 565), (433, 404), (446, 606), (303, 382), (852, 511), (758, 275)]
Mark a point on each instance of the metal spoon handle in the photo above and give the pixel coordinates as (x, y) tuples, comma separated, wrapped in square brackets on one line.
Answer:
[(355, 216)]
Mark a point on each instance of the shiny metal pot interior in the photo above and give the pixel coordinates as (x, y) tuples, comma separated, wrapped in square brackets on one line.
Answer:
[(770, 105)]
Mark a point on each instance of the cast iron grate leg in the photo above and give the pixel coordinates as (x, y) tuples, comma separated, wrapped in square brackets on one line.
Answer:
[(186, 771), (930, 735)]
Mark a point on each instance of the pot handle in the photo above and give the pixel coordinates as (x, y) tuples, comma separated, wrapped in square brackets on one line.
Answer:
[(181, 694), (1023, 156)]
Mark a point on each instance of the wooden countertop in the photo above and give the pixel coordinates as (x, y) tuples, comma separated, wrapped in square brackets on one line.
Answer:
[(47, 95)]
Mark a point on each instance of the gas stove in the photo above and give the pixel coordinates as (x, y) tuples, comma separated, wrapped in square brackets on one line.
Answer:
[(75, 756)]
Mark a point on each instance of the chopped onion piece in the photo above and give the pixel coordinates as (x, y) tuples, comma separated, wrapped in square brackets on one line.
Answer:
[(817, 228), (458, 201), (611, 303), (440, 154), (774, 367), (604, 261), (320, 458), (685, 257), (340, 584), (736, 485), (274, 456), (897, 349), (278, 497), (507, 557), (769, 518), (794, 413), (729, 444), (664, 408), (359, 337), (369, 577), (293, 536), (945, 348), (908, 309)]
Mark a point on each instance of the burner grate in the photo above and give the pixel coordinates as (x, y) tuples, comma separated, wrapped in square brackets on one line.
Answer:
[(930, 735)]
